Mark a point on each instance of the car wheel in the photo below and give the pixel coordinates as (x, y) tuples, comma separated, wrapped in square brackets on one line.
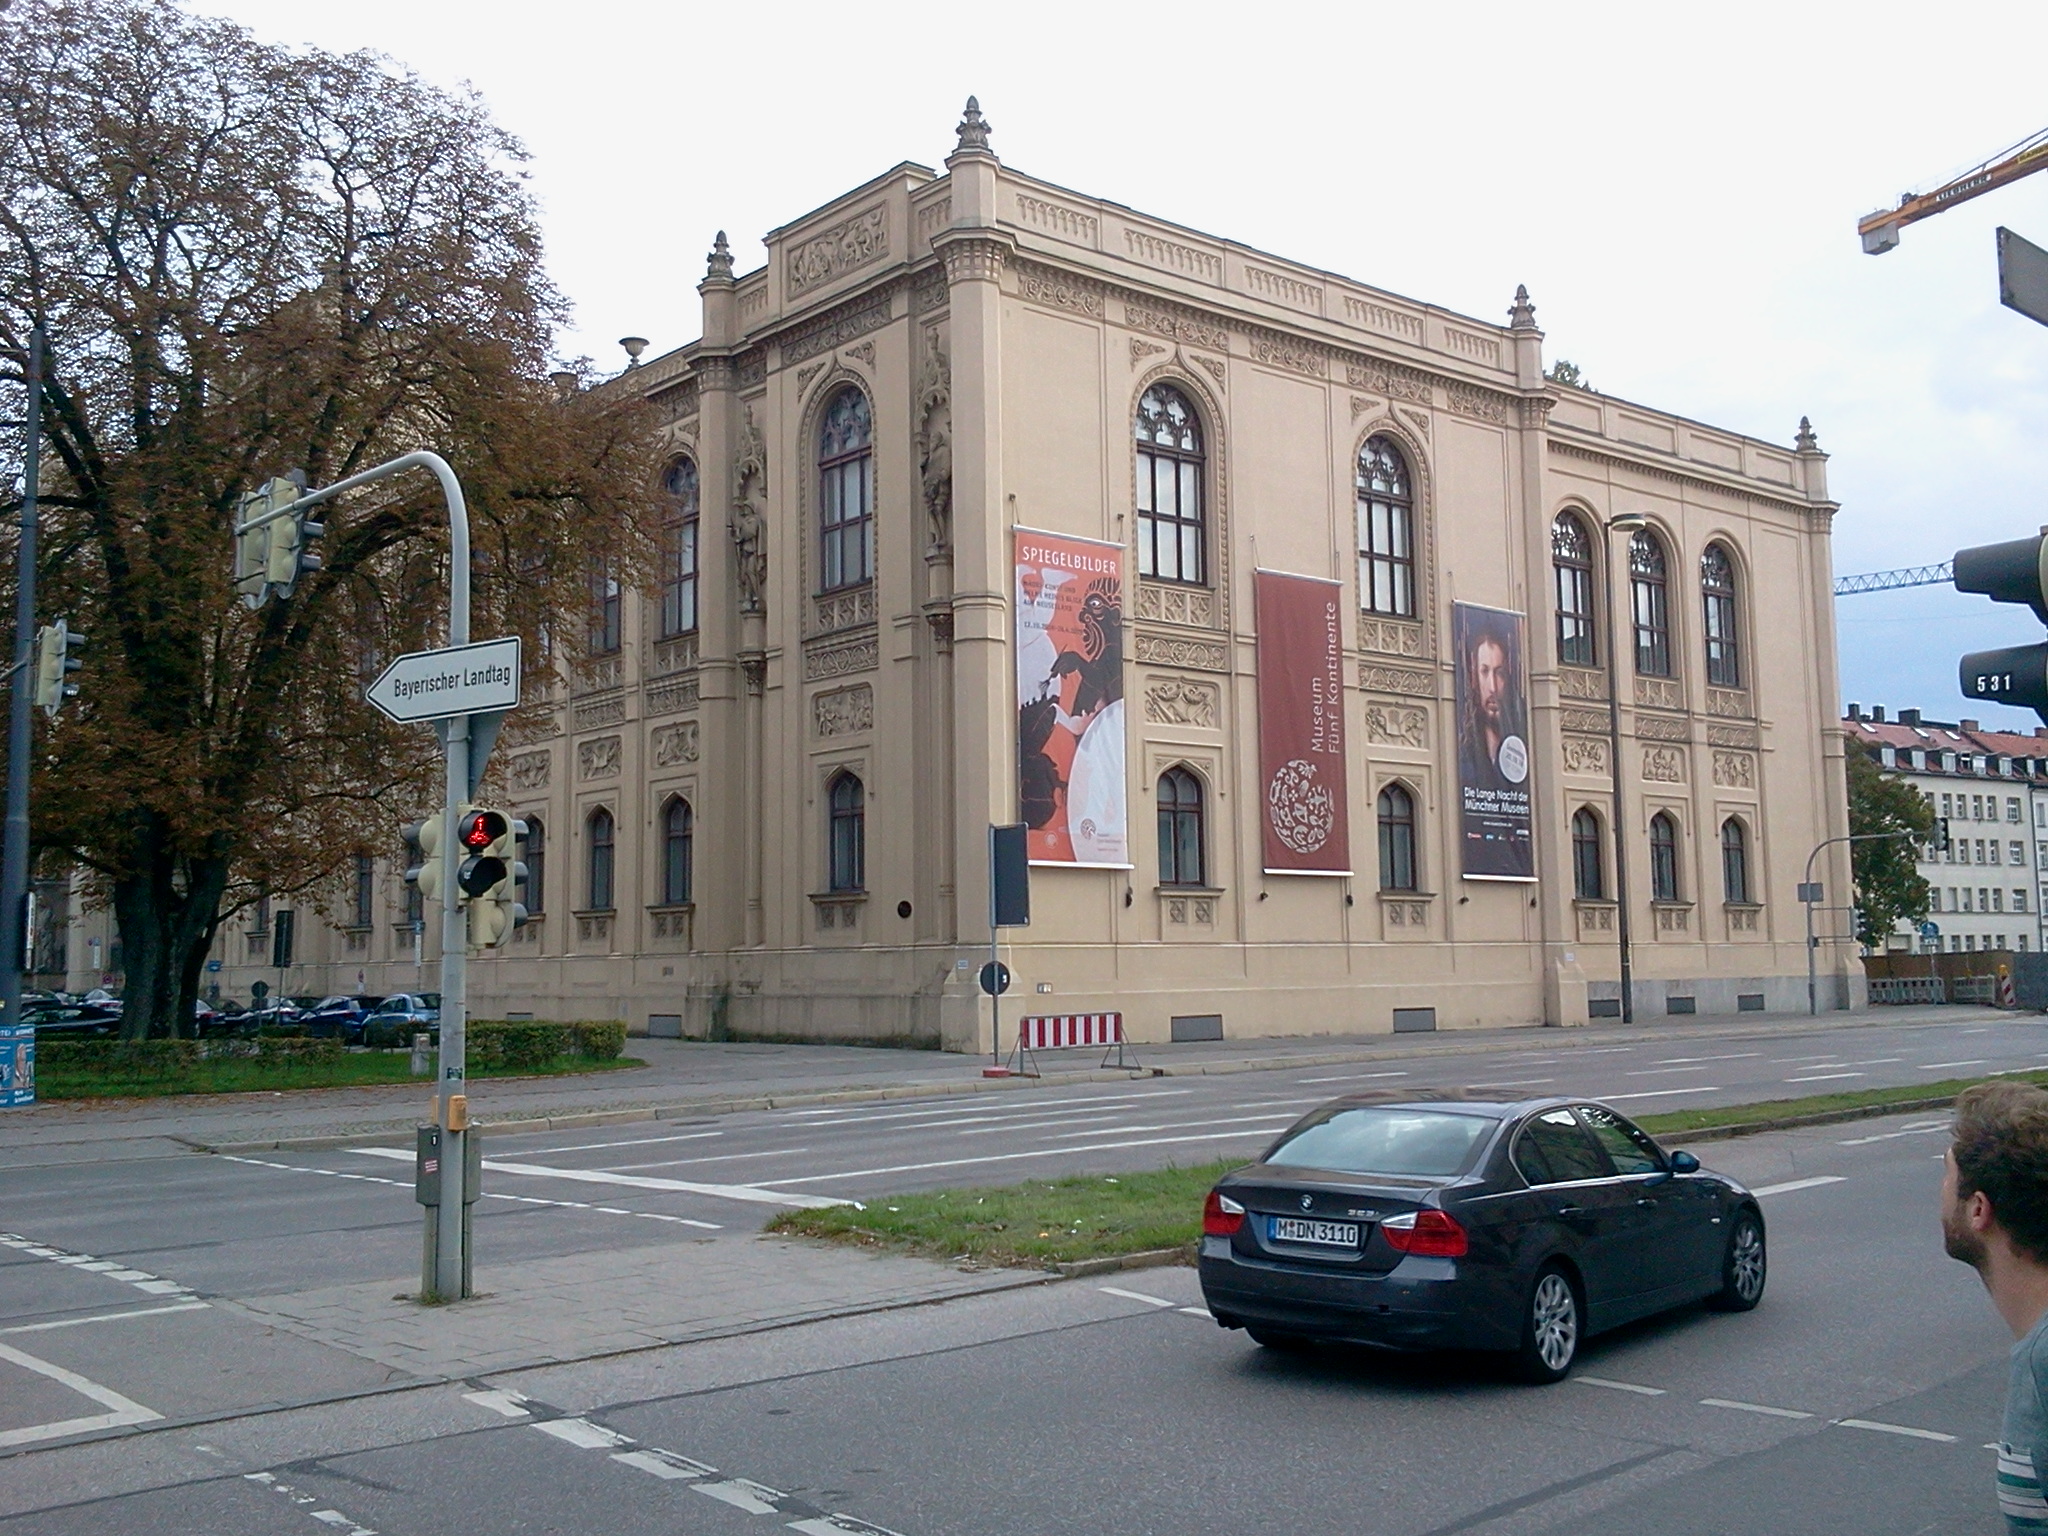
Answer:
[(1552, 1322), (1744, 1267), (1273, 1338)]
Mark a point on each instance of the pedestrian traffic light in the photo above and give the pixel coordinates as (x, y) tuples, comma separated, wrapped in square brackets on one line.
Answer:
[(2012, 572), (270, 552), (492, 874), (426, 869), (55, 662)]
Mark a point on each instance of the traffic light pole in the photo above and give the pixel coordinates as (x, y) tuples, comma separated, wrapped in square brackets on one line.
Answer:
[(20, 740), (1812, 939)]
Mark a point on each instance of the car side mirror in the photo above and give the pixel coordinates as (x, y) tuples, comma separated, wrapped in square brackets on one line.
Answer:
[(1684, 1162)]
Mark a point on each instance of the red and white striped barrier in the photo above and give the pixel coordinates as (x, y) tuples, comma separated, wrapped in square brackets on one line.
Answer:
[(1052, 1032)]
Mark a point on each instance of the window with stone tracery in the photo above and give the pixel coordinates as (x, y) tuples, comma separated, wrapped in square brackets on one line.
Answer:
[(1649, 604), (1571, 557), (1386, 531), (846, 493), (679, 550), (1172, 536), (1717, 601)]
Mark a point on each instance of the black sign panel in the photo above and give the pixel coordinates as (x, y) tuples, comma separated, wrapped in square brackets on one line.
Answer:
[(2022, 276), (1009, 877)]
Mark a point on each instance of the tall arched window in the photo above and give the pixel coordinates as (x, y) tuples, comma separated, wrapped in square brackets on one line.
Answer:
[(848, 851), (679, 550), (677, 831), (1735, 863), (1172, 543), (603, 635), (1397, 839), (1180, 828), (1649, 605), (1571, 561), (1589, 877), (1386, 531), (846, 492), (1717, 601), (599, 832), (536, 861), (1663, 857)]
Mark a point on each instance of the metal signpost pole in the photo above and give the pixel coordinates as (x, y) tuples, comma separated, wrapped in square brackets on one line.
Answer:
[(1810, 895), (1628, 523), (14, 845)]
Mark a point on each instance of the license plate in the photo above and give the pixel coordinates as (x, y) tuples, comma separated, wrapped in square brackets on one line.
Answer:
[(1328, 1234)]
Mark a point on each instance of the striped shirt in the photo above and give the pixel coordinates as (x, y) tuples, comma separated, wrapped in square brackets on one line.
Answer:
[(2023, 1441)]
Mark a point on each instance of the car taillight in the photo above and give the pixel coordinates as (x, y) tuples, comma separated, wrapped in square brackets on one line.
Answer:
[(1222, 1216), (1428, 1234)]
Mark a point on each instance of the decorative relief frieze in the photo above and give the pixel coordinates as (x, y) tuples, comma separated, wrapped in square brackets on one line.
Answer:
[(674, 745), (753, 369), (840, 659), (1288, 352), (844, 711), (1581, 683), (1284, 289), (1378, 317), (1184, 325), (1173, 651), (1377, 679), (1592, 721), (1484, 404), (530, 771), (1734, 770), (1182, 701), (1360, 404), (1140, 350), (672, 698), (1058, 290), (1414, 419), (864, 354), (929, 290), (972, 258), (1741, 919), (1485, 349), (1658, 693), (594, 674), (1055, 219), (1213, 366), (843, 610), (1585, 754), (1662, 728), (836, 327), (1396, 725), (933, 217), (1663, 765), (843, 248), (1673, 919), (592, 714), (1391, 379), (668, 656), (754, 301), (1733, 736), (1171, 603), (1173, 256), (1733, 703), (805, 374), (1405, 914), (598, 759), (1390, 637), (676, 403), (1596, 919)]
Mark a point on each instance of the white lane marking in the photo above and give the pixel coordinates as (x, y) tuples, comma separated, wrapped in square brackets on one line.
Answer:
[(1824, 1077), (333, 1517), (1877, 1061), (746, 1193), (1662, 1071), (1011, 1157), (122, 1411), (1927, 1129), (839, 1525), (1604, 1050), (1196, 1311), (1895, 1429), (336, 1518), (108, 1317), (1793, 1061), (665, 1464), (1351, 1077), (1619, 1386), (1939, 1066), (818, 1117), (583, 1434), (1679, 1061), (489, 1194), (1659, 1093), (1033, 1125), (690, 1162), (1776, 1413), (1522, 1082), (602, 1146), (510, 1404), (1164, 1125), (1797, 1184), (85, 1263), (1153, 1301), (754, 1498)]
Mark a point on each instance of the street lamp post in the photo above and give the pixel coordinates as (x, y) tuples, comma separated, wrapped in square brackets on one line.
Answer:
[(1628, 523)]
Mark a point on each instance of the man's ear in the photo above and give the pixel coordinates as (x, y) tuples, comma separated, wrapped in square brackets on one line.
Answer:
[(1977, 1211)]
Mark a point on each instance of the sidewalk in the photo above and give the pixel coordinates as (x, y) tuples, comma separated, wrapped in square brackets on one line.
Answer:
[(694, 1079)]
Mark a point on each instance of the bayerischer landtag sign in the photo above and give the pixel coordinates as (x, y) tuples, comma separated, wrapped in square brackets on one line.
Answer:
[(1303, 802), (459, 680)]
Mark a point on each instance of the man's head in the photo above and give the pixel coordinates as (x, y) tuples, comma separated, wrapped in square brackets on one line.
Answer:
[(1996, 1185), (1490, 679)]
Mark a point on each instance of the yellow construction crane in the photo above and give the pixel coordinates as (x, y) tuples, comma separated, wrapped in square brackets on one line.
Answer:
[(1880, 230)]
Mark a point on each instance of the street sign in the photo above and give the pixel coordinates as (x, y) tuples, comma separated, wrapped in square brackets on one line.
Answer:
[(1810, 892), (995, 978), (2022, 276), (458, 680), (1930, 931)]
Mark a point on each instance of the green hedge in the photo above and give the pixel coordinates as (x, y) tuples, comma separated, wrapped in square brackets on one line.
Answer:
[(515, 1043), (175, 1058)]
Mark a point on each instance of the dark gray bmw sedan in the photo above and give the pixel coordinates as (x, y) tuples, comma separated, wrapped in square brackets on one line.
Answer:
[(1467, 1224)]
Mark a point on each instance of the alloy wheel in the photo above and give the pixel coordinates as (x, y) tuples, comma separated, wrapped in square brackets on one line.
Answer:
[(1554, 1321), (1746, 1261)]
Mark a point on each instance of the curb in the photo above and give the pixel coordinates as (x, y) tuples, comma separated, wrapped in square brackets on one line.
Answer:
[(1151, 1258), (1818, 1117)]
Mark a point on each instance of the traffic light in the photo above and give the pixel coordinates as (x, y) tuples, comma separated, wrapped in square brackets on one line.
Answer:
[(425, 867), (55, 662), (2013, 572), (492, 874), (271, 555)]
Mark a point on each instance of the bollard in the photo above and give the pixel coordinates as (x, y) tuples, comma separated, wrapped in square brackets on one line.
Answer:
[(422, 1064)]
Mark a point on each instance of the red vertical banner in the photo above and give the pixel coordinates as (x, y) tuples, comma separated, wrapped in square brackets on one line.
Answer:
[(1304, 809)]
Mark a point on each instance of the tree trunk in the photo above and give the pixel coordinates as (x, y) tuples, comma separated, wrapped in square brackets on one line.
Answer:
[(166, 926)]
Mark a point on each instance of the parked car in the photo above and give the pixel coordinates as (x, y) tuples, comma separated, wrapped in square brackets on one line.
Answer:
[(72, 1021), (340, 1016), (1441, 1223), (397, 1019)]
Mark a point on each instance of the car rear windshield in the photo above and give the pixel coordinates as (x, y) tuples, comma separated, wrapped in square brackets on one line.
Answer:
[(1417, 1142)]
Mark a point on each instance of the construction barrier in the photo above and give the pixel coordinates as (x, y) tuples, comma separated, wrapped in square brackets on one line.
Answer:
[(1063, 1031)]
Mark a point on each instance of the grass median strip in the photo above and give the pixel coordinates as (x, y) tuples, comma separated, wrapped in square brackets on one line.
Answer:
[(362, 1069), (1675, 1123)]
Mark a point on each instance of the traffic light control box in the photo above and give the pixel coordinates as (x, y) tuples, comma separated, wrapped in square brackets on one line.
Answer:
[(426, 1167)]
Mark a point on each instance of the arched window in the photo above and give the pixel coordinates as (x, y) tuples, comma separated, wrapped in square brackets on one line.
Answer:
[(846, 493), (679, 550), (1386, 531), (364, 914), (1735, 863), (603, 634), (1180, 828), (1397, 839), (599, 832), (1663, 857), (1172, 544), (849, 834), (1571, 561), (1589, 877), (1648, 604), (536, 861), (677, 829), (1717, 601)]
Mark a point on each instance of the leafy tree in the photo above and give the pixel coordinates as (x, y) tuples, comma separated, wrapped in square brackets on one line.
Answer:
[(1888, 883), (1566, 372), (251, 260)]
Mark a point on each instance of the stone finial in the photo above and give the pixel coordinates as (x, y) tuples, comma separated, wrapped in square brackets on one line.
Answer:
[(1805, 441), (634, 346), (973, 131), (1522, 314), (565, 383), (719, 262)]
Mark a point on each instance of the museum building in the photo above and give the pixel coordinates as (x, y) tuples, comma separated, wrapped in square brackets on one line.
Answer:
[(1285, 612)]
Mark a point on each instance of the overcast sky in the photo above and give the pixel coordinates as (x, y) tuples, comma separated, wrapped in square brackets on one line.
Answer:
[(1678, 185)]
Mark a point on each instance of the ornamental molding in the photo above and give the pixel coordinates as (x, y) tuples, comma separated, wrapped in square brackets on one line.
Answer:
[(1589, 720), (1731, 703), (845, 247), (836, 327), (1282, 289), (1481, 404), (1182, 701), (1378, 679), (863, 353), (1214, 366), (1662, 728), (1391, 379), (1585, 754), (1168, 602), (1745, 488), (1360, 404), (671, 656), (1734, 770), (1140, 350), (674, 745), (840, 658), (1481, 349), (1396, 725), (672, 698), (1278, 350), (1058, 220), (1389, 637), (1733, 736), (1174, 651), (1172, 256), (973, 256), (530, 771), (1581, 683), (1378, 317), (753, 369), (1190, 326), (843, 610), (928, 290), (933, 217), (598, 759), (676, 402), (592, 714), (844, 711), (1658, 693), (1414, 419), (1061, 290)]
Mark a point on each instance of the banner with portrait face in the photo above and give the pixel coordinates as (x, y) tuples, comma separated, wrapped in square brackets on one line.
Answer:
[(1495, 824), (1303, 807), (1070, 700)]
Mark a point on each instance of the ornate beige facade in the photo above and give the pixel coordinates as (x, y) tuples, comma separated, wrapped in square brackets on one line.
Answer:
[(1000, 333)]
